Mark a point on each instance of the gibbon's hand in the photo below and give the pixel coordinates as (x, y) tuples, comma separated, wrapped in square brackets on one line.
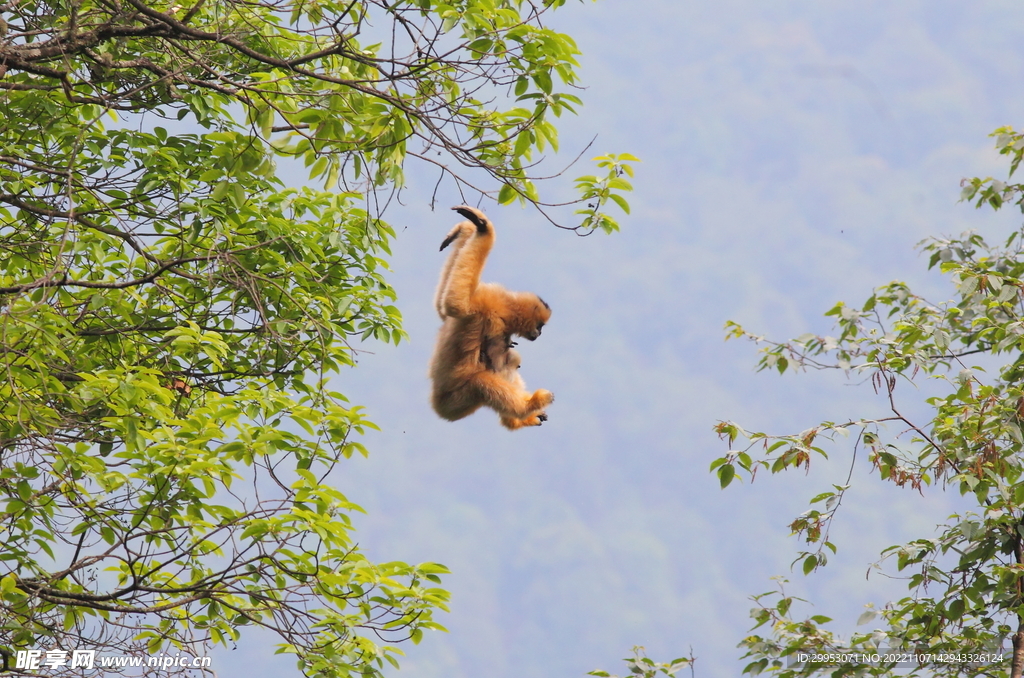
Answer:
[(477, 219), (476, 216)]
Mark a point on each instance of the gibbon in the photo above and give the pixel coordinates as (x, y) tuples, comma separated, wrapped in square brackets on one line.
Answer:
[(474, 363), (507, 364)]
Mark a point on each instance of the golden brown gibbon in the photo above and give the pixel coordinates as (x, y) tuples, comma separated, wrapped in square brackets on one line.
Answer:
[(474, 364)]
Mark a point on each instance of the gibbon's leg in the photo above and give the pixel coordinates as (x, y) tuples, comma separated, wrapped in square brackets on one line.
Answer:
[(459, 235), (466, 266), (508, 399)]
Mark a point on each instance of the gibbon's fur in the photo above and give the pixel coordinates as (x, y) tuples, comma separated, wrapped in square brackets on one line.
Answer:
[(474, 363)]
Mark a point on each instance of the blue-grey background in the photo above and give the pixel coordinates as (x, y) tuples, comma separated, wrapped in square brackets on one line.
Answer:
[(793, 154)]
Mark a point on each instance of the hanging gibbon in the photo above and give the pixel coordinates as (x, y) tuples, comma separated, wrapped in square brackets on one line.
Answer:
[(474, 363)]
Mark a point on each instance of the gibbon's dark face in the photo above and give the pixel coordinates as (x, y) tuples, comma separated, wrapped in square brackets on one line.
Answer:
[(541, 314)]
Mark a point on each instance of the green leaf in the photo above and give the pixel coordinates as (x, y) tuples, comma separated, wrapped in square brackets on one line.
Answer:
[(220, 190), (523, 144), (725, 475), (620, 201), (506, 195)]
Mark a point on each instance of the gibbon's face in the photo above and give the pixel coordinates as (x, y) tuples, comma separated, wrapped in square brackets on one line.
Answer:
[(541, 314), (515, 361)]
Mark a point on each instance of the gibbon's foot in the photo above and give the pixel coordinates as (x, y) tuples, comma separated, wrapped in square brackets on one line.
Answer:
[(513, 424), (540, 399)]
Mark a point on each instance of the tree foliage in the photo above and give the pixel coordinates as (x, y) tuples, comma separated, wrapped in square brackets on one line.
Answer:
[(966, 581), (171, 307), (642, 666)]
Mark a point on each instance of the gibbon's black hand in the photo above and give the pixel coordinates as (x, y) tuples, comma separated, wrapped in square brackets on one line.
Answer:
[(477, 217), (448, 241)]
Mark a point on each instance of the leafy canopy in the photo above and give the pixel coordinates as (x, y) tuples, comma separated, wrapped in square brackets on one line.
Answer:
[(966, 581), (171, 308)]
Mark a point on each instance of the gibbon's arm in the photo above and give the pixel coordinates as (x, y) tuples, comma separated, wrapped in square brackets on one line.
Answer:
[(466, 265), (459, 235)]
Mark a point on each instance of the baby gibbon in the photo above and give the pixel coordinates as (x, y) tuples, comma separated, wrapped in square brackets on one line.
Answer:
[(474, 363), (506, 363)]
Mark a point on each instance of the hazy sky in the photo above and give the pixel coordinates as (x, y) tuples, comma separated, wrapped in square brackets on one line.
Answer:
[(793, 154)]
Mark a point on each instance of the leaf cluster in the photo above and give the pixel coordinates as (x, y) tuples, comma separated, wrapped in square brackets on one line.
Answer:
[(642, 666), (350, 88), (966, 582)]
